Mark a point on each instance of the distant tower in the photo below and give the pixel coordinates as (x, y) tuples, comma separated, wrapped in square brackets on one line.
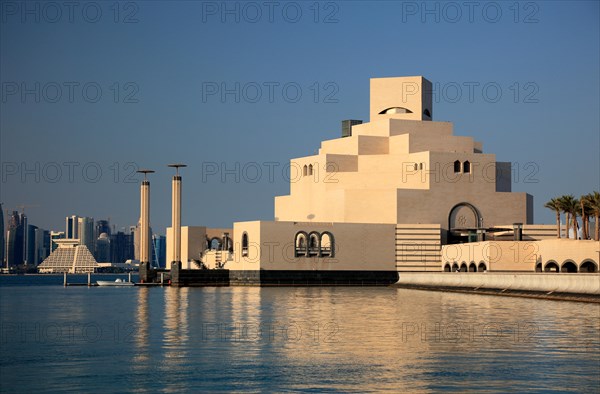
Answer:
[(30, 244), (25, 236), (85, 232), (71, 227), (102, 226), (159, 250), (176, 214), (45, 248), (145, 221), (37, 249), (103, 248), (121, 247), (14, 240), (2, 243)]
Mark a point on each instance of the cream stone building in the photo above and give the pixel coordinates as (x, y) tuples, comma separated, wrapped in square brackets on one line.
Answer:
[(404, 168), (385, 197), (389, 193)]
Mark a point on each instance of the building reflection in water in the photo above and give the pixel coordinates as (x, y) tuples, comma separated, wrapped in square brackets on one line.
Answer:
[(142, 332), (348, 339), (386, 339), (175, 328)]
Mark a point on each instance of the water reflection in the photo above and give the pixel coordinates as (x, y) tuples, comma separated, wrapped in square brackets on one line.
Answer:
[(175, 329), (386, 339), (140, 358), (362, 339), (277, 339)]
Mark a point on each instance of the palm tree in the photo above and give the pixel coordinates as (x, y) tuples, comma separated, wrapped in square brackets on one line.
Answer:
[(554, 204), (586, 212), (594, 201), (570, 206), (574, 213)]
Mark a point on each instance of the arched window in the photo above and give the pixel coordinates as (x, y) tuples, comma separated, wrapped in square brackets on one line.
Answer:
[(457, 166), (568, 266), (447, 267), (327, 245), (313, 243), (420, 166), (310, 169), (551, 266), (467, 167), (395, 110), (245, 244), (588, 266), (301, 243), (416, 167), (305, 170), (481, 267), (472, 267)]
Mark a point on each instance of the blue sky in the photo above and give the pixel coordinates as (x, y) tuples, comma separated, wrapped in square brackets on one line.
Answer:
[(139, 84)]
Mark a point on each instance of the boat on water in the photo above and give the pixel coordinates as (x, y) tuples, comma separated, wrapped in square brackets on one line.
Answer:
[(117, 282)]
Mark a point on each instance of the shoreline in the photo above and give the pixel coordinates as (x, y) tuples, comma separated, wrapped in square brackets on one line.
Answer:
[(552, 296), (550, 286)]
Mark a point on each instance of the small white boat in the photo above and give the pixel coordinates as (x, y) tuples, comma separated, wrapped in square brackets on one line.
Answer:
[(117, 282)]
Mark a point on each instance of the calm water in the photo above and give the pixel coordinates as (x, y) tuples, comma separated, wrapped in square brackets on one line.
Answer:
[(300, 339)]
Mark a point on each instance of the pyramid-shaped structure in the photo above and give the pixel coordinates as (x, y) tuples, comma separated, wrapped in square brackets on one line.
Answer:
[(69, 257)]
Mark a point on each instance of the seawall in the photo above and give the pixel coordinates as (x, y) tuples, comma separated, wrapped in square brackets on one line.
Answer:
[(577, 287)]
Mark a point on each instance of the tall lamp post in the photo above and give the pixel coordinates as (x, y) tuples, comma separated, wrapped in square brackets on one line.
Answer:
[(176, 214), (145, 225)]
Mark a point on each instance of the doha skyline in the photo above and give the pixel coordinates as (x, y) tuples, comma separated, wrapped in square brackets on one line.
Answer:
[(88, 101)]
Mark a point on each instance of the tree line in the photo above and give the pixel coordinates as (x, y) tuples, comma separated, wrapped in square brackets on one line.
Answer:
[(586, 206)]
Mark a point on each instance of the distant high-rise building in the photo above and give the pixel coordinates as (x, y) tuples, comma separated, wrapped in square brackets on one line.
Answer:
[(102, 226), (71, 227), (54, 235), (159, 250), (30, 246), (15, 240), (103, 248), (37, 249), (25, 236), (121, 247), (2, 242), (44, 250), (86, 233)]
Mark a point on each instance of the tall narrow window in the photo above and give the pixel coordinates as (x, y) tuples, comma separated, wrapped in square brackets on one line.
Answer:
[(300, 241), (327, 245), (245, 244), (467, 167), (310, 169), (457, 166), (416, 167), (305, 170), (420, 166)]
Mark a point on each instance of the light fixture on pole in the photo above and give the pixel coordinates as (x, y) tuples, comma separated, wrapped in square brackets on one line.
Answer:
[(176, 214), (145, 218)]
